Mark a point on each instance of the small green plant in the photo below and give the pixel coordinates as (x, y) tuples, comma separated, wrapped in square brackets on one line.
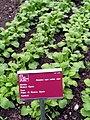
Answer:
[(1, 118), (85, 111), (88, 118), (88, 64)]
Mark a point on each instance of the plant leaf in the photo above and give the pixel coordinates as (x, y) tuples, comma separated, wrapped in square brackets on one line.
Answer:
[(87, 82)]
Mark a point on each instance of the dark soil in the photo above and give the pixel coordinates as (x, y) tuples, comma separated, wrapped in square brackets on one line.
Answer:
[(77, 2), (8, 9), (13, 114), (87, 55)]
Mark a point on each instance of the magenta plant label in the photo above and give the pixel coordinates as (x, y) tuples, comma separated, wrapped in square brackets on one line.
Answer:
[(36, 84)]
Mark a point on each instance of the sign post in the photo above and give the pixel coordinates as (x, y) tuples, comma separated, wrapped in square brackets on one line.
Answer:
[(40, 84), (42, 109)]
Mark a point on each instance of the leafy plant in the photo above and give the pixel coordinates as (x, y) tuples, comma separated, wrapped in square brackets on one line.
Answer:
[(87, 82), (5, 103), (49, 17), (25, 110), (87, 118), (87, 64), (85, 111), (3, 118)]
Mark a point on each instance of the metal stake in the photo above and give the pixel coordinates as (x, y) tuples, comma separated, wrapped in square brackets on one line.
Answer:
[(42, 109)]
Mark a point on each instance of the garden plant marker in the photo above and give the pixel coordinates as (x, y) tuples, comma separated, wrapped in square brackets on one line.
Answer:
[(40, 84)]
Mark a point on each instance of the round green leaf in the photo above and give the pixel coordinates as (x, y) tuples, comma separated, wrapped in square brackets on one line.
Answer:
[(87, 82), (62, 103)]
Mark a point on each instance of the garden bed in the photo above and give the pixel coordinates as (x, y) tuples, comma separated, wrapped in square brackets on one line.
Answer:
[(45, 57)]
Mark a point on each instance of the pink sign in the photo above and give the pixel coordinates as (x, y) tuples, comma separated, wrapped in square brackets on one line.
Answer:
[(36, 84)]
